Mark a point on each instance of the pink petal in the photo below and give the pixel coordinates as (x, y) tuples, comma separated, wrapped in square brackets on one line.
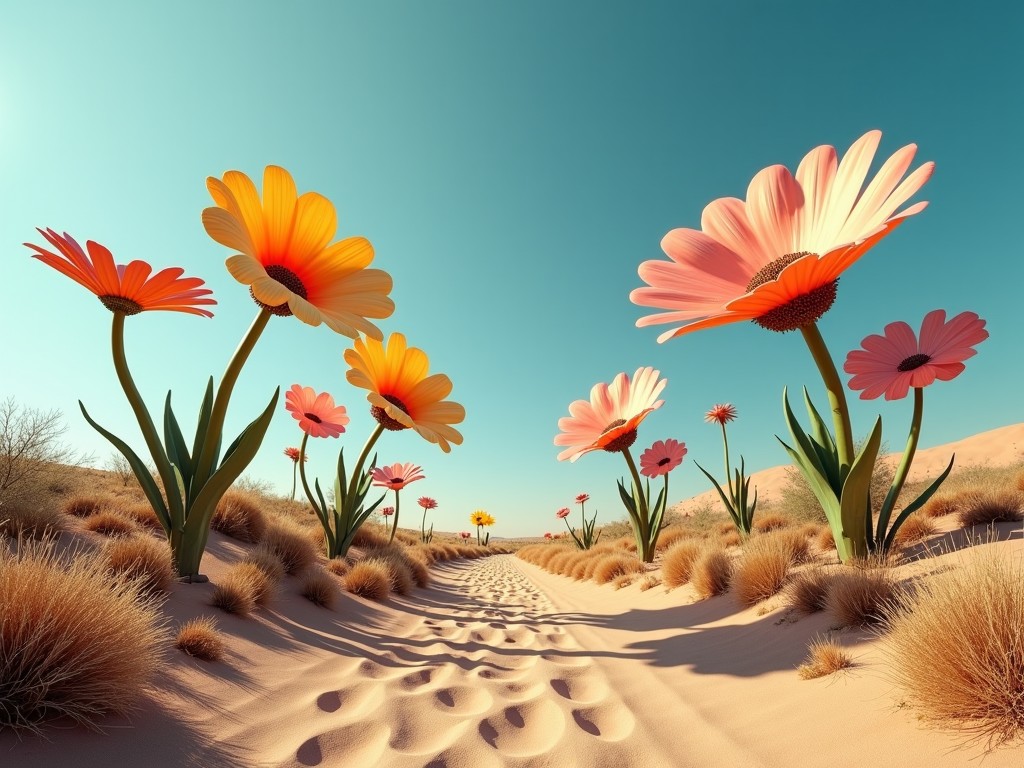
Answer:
[(773, 200)]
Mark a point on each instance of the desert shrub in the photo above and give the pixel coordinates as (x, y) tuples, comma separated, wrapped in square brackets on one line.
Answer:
[(83, 506), (200, 639), (762, 569), (399, 575), (955, 644), (266, 560), (725, 527), (119, 467), (801, 505), (677, 563), (857, 596), (808, 591), (579, 568), (915, 528), (570, 563), (825, 540), (407, 537), (674, 535), (711, 573), (941, 505), (23, 519), (649, 582), (409, 567), (824, 657), (811, 530), (555, 564), (730, 539), (623, 580), (771, 522), (238, 516), (611, 566), (243, 587), (291, 545), (337, 566), (319, 588), (30, 446), (370, 579), (370, 535), (73, 642), (110, 523), (984, 507), (141, 558), (142, 515)]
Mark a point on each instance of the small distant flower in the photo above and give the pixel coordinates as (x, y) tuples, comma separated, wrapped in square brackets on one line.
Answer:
[(316, 414), (610, 419), (397, 476), (896, 361), (662, 457), (722, 413), (562, 513), (465, 534), (583, 497), (548, 536), (295, 454), (387, 511), (128, 289), (427, 503), (481, 518)]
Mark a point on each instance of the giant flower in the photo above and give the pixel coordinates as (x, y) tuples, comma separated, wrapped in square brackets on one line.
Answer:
[(286, 257), (776, 258), (128, 289), (898, 360), (397, 476), (662, 457), (316, 414), (609, 420), (401, 394)]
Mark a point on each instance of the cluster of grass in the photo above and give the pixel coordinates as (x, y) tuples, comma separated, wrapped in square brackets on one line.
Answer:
[(824, 657), (200, 639), (238, 515), (606, 563)]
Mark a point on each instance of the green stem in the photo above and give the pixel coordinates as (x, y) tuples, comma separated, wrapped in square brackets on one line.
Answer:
[(644, 511), (904, 468), (358, 472), (295, 469), (479, 528), (836, 394), (302, 473), (207, 459), (394, 526), (149, 433), (423, 527), (728, 466)]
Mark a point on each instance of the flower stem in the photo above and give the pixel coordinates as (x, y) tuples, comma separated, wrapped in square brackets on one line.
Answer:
[(207, 459), (644, 512), (836, 393), (295, 469), (353, 484), (728, 469), (904, 468), (394, 525), (149, 433)]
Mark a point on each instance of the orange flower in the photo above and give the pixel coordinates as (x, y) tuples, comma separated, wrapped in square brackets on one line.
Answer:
[(401, 394), (286, 256), (128, 289)]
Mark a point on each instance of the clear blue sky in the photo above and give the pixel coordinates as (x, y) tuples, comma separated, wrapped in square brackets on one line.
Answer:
[(512, 163)]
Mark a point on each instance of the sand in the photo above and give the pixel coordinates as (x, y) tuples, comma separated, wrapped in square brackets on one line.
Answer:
[(499, 663)]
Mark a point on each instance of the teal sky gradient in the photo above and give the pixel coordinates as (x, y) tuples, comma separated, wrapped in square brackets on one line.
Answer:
[(512, 164)]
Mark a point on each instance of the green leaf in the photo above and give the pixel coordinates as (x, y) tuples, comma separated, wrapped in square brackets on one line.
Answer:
[(915, 505), (203, 423), (725, 500), (856, 489), (177, 450), (145, 479)]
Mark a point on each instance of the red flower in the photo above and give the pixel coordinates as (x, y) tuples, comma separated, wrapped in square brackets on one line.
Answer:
[(662, 457), (427, 503), (582, 498), (722, 413), (562, 513), (316, 414), (397, 476)]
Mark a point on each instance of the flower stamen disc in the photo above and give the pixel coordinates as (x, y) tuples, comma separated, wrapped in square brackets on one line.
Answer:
[(800, 311), (382, 416), (289, 280), (121, 304), (913, 362), (623, 441)]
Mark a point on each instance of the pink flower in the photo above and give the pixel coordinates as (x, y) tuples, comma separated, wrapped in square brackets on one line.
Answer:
[(776, 258), (465, 534), (295, 454), (583, 497), (662, 457), (427, 503), (387, 511), (547, 535), (562, 513), (316, 414), (897, 360), (610, 420), (722, 413), (397, 476)]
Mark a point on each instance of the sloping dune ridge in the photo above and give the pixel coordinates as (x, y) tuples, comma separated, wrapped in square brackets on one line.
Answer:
[(499, 663)]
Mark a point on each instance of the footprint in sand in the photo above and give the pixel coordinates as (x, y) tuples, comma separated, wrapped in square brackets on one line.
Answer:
[(416, 680), (581, 685), (524, 729), (356, 700), (356, 744), (610, 721), (463, 700), (565, 660)]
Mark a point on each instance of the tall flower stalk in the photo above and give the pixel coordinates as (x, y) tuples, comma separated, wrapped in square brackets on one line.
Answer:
[(481, 519), (736, 497), (396, 477), (427, 503)]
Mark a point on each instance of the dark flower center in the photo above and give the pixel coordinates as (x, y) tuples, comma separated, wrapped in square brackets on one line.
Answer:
[(623, 441), (121, 304), (314, 418), (913, 362), (382, 416), (289, 280), (664, 461), (798, 312)]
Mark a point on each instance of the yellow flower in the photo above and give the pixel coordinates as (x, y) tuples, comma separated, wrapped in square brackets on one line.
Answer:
[(401, 394), (286, 256), (481, 518)]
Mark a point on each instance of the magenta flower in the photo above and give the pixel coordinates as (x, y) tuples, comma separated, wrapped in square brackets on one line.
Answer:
[(387, 511), (316, 414), (583, 498), (897, 360), (662, 457), (397, 476), (562, 513), (548, 536), (427, 503)]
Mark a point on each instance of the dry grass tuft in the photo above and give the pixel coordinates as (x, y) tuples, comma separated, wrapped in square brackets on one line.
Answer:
[(72, 643), (370, 535), (984, 507), (238, 516), (23, 519), (266, 560), (956, 648), (730, 539), (623, 580), (649, 582), (337, 566), (677, 564), (825, 540), (244, 586), (610, 566), (712, 573), (83, 506), (200, 639), (370, 579), (291, 545), (673, 535), (110, 523), (771, 521), (915, 528), (763, 568), (319, 588), (824, 657), (857, 596), (808, 592), (141, 558), (941, 505), (406, 571), (142, 515)]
